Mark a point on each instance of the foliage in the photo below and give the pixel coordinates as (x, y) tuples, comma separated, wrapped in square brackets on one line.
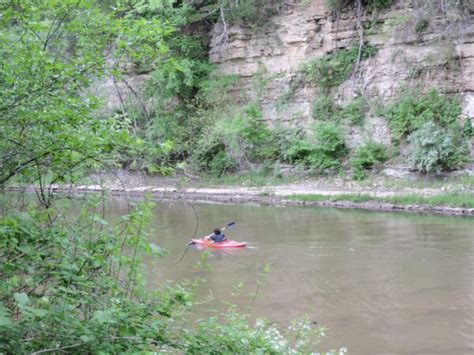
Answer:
[(70, 279), (339, 5), (332, 69), (322, 152), (434, 149), (250, 13), (294, 146), (247, 136), (468, 130), (354, 111), (55, 50), (412, 110), (215, 91), (233, 335), (238, 140), (366, 157), (329, 149), (324, 108), (421, 26), (67, 284), (171, 87)]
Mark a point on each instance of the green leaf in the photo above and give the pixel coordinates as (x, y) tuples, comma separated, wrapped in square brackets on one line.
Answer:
[(22, 299), (5, 320), (104, 317)]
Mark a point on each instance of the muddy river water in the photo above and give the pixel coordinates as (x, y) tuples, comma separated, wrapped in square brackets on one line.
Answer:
[(380, 282)]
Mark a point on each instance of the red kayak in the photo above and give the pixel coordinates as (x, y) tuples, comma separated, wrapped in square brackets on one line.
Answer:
[(219, 245)]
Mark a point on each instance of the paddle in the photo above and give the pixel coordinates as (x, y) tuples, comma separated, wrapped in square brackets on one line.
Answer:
[(229, 225)]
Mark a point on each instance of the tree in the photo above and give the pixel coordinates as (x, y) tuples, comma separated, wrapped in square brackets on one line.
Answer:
[(55, 49)]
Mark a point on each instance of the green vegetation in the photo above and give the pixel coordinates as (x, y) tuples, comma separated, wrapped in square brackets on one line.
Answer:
[(330, 147), (339, 5), (332, 69), (453, 199), (366, 157), (251, 13), (70, 279), (421, 26), (354, 112), (413, 109), (325, 151), (325, 109), (434, 149), (235, 142), (431, 123)]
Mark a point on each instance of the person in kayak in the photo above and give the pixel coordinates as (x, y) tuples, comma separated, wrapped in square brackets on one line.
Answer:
[(217, 236)]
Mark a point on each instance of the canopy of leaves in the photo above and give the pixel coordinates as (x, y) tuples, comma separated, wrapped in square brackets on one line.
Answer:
[(55, 50)]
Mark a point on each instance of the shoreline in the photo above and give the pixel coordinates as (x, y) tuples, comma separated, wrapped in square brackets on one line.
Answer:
[(277, 196)]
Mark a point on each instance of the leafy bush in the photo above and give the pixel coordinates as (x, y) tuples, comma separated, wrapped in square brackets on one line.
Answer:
[(329, 149), (354, 111), (467, 129), (66, 283), (413, 110), (366, 157), (324, 108), (332, 69), (212, 157), (339, 5), (421, 26), (251, 13), (236, 141), (215, 91), (434, 149), (294, 146), (234, 335)]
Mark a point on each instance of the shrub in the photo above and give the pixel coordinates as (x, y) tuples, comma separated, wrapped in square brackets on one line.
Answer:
[(421, 26), (332, 69), (235, 142), (413, 110), (467, 129), (296, 150), (329, 149), (251, 13), (354, 111), (324, 108), (338, 5), (366, 157), (434, 149)]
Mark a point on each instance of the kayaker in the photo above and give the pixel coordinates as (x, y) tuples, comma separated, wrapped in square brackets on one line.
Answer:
[(217, 236)]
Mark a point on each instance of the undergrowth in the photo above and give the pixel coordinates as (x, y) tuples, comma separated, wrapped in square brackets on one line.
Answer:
[(333, 68)]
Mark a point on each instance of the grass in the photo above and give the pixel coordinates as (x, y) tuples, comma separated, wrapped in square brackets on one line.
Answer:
[(454, 199), (248, 179), (454, 182)]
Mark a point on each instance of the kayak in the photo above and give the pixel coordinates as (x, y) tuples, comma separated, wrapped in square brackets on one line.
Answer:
[(219, 245)]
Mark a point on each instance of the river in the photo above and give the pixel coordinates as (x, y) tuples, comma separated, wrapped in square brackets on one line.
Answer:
[(380, 282)]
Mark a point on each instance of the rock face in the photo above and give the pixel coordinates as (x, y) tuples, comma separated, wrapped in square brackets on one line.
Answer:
[(439, 55)]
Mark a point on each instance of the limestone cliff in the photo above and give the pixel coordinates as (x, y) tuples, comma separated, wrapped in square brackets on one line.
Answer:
[(441, 55)]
